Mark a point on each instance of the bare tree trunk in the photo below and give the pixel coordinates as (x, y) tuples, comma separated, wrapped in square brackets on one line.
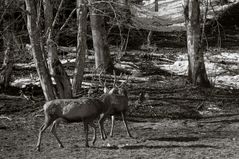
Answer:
[(156, 6), (149, 38), (81, 45), (7, 65), (125, 9), (196, 69), (63, 84), (57, 71), (6, 68), (102, 51), (34, 35)]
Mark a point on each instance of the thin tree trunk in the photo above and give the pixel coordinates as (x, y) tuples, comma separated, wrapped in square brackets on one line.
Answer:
[(81, 45), (34, 35), (57, 71), (6, 68), (149, 38), (102, 52), (156, 6), (196, 69), (7, 65), (125, 9)]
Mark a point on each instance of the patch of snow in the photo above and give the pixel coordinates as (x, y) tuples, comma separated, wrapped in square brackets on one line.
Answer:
[(179, 67), (148, 2), (231, 57), (213, 69), (227, 81), (23, 82), (64, 61), (25, 65), (32, 64), (217, 73)]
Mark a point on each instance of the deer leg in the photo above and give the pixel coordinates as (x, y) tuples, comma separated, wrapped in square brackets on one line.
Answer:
[(53, 131), (94, 128), (112, 125), (86, 134), (125, 124), (101, 125), (47, 123)]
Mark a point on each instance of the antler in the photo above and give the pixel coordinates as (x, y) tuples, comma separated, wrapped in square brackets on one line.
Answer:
[(114, 84), (115, 79), (124, 82)]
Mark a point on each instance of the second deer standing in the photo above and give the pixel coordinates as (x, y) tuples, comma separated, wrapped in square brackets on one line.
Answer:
[(116, 100)]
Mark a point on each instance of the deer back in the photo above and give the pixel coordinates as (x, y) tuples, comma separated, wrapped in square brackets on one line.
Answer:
[(75, 109)]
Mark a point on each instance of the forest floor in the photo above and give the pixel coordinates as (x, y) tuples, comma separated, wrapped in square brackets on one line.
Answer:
[(175, 120)]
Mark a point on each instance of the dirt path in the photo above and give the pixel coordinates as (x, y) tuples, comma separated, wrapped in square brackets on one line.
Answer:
[(207, 138)]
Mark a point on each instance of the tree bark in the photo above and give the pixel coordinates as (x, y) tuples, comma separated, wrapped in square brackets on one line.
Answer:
[(7, 65), (196, 69), (34, 35), (63, 84), (6, 68), (156, 6), (102, 51), (149, 38), (81, 46)]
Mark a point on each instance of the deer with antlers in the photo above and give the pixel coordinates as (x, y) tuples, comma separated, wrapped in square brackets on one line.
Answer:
[(86, 110), (116, 99)]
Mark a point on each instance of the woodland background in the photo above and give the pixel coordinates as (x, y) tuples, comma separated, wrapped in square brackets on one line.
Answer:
[(180, 58)]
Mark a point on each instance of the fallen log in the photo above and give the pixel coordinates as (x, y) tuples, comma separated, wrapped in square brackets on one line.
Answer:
[(121, 79)]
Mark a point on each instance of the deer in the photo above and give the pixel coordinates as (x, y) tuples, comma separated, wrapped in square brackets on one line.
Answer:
[(84, 109), (116, 99)]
